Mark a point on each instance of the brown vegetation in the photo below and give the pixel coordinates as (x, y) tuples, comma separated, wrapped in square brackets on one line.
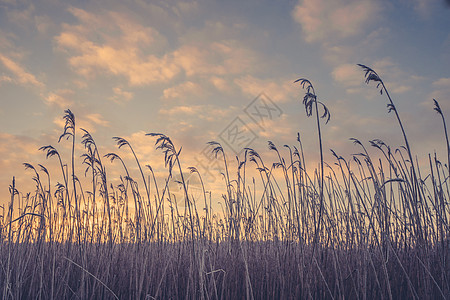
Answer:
[(364, 228)]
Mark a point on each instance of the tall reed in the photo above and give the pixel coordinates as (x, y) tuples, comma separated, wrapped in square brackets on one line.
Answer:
[(372, 225)]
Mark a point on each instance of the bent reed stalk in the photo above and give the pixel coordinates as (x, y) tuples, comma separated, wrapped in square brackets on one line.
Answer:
[(374, 225)]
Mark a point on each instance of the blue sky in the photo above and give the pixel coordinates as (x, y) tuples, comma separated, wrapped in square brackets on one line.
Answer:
[(189, 69)]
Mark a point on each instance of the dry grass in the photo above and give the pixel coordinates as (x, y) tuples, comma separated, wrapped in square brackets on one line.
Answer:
[(364, 228)]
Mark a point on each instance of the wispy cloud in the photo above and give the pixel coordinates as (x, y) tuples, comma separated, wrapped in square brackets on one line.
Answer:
[(22, 16), (89, 122), (115, 43), (189, 68), (19, 74), (188, 110), (324, 20), (349, 75), (442, 82), (14, 151), (97, 119), (144, 149), (5, 79), (220, 83), (399, 80), (283, 90), (59, 98), (121, 96), (208, 113), (226, 57), (425, 8), (12, 143), (183, 90), (441, 92), (347, 32)]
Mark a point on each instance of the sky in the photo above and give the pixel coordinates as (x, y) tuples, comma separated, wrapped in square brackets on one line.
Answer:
[(222, 71)]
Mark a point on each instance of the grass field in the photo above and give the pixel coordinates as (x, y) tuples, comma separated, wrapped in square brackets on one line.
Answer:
[(370, 227)]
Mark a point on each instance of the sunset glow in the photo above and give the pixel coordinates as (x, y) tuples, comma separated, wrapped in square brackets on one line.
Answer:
[(187, 69), (201, 122)]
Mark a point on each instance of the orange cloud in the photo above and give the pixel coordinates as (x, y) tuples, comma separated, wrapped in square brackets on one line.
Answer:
[(120, 50), (348, 75), (220, 83), (218, 58), (59, 98), (209, 113), (121, 96), (185, 89), (21, 76), (89, 122)]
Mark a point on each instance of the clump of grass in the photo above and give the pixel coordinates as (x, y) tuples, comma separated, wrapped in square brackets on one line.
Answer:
[(370, 226)]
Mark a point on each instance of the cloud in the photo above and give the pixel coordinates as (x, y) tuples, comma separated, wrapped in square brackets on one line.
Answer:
[(397, 80), (209, 113), (139, 70), (276, 129), (441, 92), (182, 8), (339, 52), (183, 90), (220, 83), (5, 79), (114, 43), (442, 82), (43, 24), (424, 8), (59, 98), (97, 119), (22, 17), (89, 122), (14, 151), (324, 20), (121, 96), (10, 143), (277, 90), (343, 30), (21, 76), (6, 39), (226, 57), (349, 75), (188, 110), (144, 147)]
